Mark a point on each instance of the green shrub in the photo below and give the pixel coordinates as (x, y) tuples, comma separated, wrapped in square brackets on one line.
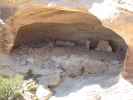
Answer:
[(8, 86)]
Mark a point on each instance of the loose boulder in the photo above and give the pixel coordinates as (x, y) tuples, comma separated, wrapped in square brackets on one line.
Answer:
[(104, 46)]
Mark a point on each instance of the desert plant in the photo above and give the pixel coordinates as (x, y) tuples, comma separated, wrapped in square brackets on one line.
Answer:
[(8, 86)]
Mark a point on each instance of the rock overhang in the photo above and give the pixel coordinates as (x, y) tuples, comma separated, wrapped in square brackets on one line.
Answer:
[(55, 23)]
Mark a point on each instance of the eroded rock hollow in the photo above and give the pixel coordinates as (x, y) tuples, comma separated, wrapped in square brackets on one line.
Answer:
[(44, 23), (68, 40)]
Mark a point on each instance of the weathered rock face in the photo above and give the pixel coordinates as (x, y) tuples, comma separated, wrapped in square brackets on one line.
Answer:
[(34, 24), (7, 10), (39, 23), (123, 25)]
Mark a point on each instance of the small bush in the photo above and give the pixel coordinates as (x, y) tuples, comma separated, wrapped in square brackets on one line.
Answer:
[(8, 86)]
